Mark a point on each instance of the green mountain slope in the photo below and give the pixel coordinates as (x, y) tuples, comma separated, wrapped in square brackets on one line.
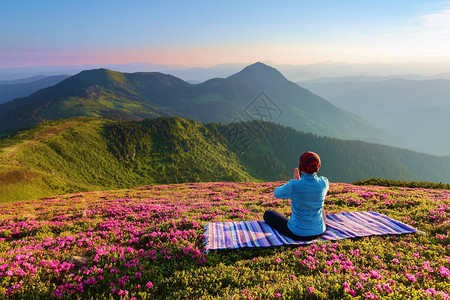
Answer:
[(84, 154), (274, 153), (136, 96)]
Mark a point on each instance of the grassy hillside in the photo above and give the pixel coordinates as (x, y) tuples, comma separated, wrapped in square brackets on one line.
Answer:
[(58, 157), (84, 154), (147, 243)]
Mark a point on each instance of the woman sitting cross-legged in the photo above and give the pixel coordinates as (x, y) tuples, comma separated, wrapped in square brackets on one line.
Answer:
[(307, 192)]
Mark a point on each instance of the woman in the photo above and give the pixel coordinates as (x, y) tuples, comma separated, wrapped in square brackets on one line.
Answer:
[(307, 193)]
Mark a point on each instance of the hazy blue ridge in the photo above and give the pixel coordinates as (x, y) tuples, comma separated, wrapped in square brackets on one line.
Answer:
[(246, 95)]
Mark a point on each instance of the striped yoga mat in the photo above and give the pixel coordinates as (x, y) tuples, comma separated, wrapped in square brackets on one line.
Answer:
[(245, 234)]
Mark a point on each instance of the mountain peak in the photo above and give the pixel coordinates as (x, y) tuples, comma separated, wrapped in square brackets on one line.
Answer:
[(100, 76), (257, 64), (259, 73)]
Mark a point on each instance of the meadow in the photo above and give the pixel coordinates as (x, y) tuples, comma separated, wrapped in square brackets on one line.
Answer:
[(147, 243)]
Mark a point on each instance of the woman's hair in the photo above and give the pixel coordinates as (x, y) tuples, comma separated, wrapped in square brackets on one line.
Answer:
[(309, 162)]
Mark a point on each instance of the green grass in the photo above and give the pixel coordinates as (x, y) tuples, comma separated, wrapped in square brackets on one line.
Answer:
[(52, 159), (74, 155)]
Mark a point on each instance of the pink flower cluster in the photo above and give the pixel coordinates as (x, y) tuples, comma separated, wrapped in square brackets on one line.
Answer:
[(127, 244)]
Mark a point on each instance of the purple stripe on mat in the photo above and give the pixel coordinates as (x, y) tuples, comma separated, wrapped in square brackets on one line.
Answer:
[(269, 238), (251, 234)]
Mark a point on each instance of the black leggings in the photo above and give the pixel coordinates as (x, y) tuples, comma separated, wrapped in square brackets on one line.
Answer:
[(279, 222)]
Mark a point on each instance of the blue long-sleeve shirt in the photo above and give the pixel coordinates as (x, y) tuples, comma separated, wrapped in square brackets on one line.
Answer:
[(307, 197)]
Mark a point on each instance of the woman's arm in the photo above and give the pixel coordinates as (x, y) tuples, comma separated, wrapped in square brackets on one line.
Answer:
[(284, 191)]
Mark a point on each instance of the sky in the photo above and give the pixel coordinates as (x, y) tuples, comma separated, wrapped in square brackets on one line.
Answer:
[(205, 33)]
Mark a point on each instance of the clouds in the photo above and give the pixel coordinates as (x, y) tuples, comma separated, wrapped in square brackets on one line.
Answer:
[(438, 20), (428, 38), (424, 36)]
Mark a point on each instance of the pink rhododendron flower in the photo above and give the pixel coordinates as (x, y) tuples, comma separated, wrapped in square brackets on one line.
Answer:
[(371, 296), (444, 271), (411, 277)]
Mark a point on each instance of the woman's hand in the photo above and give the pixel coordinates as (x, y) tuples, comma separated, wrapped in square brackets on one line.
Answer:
[(296, 174)]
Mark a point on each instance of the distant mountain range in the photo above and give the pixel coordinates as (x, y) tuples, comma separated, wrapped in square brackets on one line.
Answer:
[(23, 80), (256, 92), (417, 110), (196, 74), (26, 72), (85, 154), (9, 90), (293, 72), (365, 78)]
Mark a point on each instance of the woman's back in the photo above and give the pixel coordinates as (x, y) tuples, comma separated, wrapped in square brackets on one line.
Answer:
[(307, 197), (307, 194)]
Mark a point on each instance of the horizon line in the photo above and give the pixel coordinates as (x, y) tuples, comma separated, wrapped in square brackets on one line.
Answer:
[(232, 63)]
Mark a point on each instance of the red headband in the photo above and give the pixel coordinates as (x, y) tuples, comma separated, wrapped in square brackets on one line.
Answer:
[(309, 162)]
